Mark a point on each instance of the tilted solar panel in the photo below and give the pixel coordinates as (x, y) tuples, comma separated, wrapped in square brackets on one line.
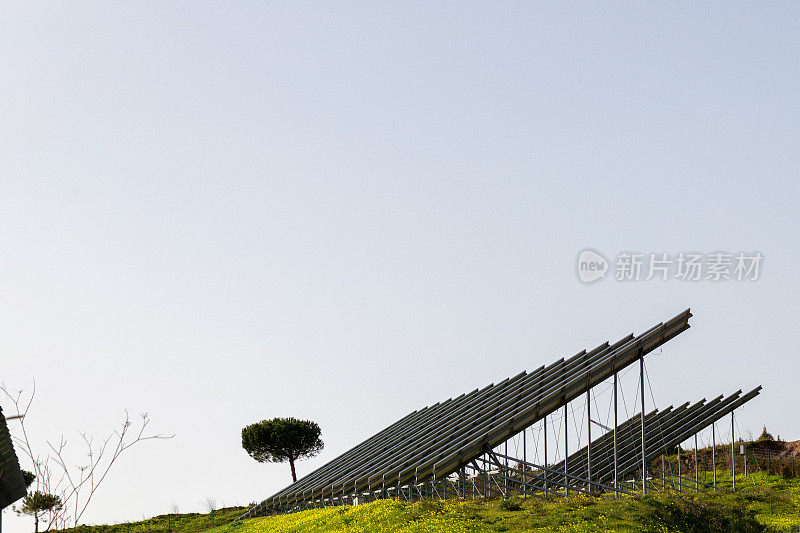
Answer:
[(437, 441), (664, 431)]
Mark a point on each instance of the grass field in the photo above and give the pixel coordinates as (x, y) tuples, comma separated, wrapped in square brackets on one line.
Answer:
[(762, 503)]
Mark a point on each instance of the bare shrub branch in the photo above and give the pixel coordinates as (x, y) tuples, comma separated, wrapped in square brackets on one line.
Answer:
[(75, 484)]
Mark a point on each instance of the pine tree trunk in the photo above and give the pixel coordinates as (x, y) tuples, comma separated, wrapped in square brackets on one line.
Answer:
[(36, 522), (294, 475)]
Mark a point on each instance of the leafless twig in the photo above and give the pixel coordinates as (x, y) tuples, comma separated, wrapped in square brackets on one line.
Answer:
[(74, 484)]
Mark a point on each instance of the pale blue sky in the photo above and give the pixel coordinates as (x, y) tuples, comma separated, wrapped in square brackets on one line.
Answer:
[(221, 212)]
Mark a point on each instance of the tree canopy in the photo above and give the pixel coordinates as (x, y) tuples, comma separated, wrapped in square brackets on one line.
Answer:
[(766, 436), (39, 503), (282, 439)]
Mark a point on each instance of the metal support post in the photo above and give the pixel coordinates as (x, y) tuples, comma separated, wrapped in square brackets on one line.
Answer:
[(545, 455), (714, 451), (505, 474), (733, 454), (680, 479), (525, 463), (474, 490), (644, 450), (485, 476), (696, 480), (616, 470), (589, 438), (566, 454)]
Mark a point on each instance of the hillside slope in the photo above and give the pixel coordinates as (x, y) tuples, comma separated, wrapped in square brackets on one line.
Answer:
[(761, 503)]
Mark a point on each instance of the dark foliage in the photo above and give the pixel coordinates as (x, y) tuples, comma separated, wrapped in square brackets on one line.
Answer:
[(282, 439), (29, 477), (766, 436)]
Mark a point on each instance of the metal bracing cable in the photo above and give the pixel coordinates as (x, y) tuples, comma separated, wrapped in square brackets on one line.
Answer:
[(610, 409), (578, 426), (622, 393), (736, 420), (597, 407), (610, 406), (571, 411), (608, 386), (536, 442), (658, 418), (611, 399), (653, 399), (557, 434), (582, 407)]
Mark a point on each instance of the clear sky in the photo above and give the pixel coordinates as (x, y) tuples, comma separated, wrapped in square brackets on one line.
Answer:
[(224, 212)]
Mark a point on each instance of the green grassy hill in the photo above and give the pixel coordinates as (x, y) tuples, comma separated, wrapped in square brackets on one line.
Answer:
[(181, 523), (762, 503)]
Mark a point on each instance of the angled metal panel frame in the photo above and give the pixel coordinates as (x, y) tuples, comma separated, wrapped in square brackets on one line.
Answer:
[(435, 442), (664, 431)]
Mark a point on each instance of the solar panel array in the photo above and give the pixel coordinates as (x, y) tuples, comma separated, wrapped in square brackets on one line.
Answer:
[(12, 484), (664, 431), (437, 441)]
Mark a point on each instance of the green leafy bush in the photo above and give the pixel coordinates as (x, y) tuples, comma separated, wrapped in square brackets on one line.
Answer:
[(512, 503)]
